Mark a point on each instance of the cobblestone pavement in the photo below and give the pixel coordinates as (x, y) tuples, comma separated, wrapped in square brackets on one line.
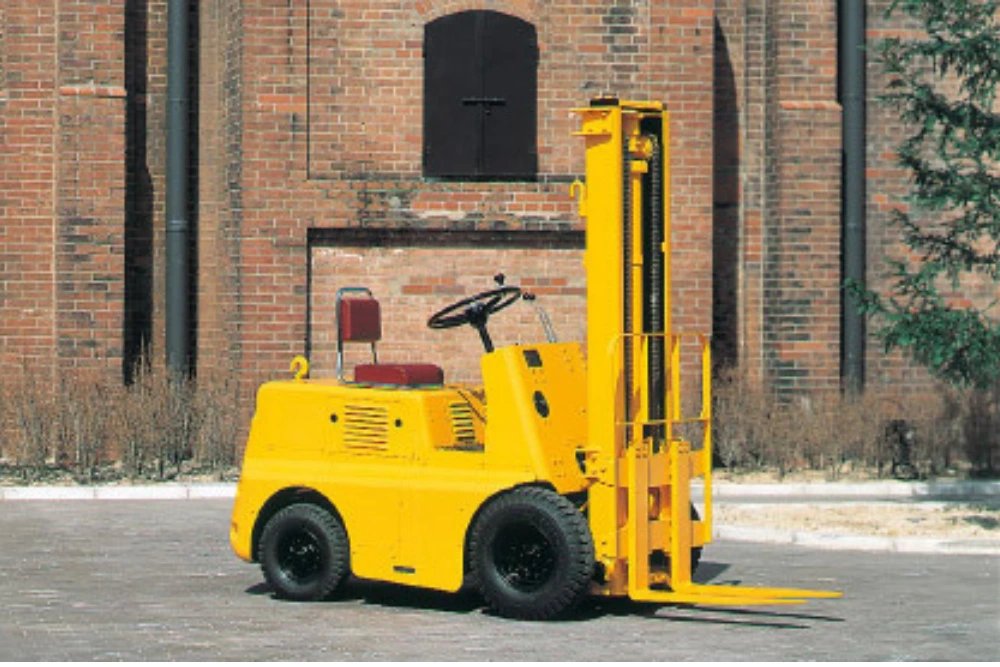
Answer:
[(155, 580)]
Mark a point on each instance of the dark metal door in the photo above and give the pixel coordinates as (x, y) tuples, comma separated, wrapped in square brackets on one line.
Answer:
[(451, 72), (480, 82), (510, 73)]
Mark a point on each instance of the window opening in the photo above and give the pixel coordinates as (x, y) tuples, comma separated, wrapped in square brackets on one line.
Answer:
[(480, 97)]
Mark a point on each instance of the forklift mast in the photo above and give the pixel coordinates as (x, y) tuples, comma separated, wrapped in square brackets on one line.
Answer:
[(641, 467)]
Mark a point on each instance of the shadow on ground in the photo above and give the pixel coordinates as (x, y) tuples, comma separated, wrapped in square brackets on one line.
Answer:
[(468, 601)]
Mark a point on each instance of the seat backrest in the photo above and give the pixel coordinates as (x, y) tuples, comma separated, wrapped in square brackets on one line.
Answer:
[(360, 321)]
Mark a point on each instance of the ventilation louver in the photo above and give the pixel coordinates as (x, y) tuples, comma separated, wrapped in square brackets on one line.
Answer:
[(366, 426), (462, 425)]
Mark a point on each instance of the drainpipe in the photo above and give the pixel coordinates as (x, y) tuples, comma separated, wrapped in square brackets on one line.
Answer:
[(853, 91), (176, 189)]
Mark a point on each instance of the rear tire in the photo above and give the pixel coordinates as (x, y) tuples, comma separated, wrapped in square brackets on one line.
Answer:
[(304, 553), (531, 554)]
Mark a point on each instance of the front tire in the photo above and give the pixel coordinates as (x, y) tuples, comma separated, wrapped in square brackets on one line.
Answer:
[(304, 553), (532, 555)]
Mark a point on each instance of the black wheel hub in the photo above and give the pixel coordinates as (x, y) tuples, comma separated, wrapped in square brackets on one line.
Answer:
[(525, 559), (300, 555)]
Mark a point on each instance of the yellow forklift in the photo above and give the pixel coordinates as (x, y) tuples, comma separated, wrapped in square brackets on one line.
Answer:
[(565, 474)]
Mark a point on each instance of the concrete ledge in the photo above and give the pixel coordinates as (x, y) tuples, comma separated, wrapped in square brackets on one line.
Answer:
[(722, 491), (47, 493), (219, 490), (833, 541), (139, 492), (887, 489)]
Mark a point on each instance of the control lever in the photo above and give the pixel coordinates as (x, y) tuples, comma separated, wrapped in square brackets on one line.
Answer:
[(543, 317)]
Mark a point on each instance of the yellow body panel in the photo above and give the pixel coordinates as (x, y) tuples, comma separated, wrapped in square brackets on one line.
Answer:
[(407, 468)]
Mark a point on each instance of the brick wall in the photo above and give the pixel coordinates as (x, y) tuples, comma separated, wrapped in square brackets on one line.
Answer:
[(308, 121), (220, 197), (440, 271), (802, 274), (28, 208), (330, 129), (89, 249), (777, 206), (62, 185), (802, 267)]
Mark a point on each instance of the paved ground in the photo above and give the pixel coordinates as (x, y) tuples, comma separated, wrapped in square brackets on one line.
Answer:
[(155, 580)]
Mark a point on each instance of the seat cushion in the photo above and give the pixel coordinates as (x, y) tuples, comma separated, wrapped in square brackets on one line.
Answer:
[(360, 321), (401, 374)]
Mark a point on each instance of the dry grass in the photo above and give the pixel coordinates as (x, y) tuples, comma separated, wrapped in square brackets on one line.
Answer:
[(756, 429), (93, 428)]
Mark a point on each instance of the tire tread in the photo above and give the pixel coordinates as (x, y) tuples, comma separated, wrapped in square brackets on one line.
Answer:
[(581, 553), (331, 526)]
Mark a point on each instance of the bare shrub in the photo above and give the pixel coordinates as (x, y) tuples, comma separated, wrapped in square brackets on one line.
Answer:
[(755, 428), (92, 426), (84, 423), (159, 428), (938, 432), (6, 425), (946, 432), (957, 432), (33, 413), (743, 421), (221, 423), (849, 434), (981, 430), (962, 431), (157, 424), (175, 441), (137, 421)]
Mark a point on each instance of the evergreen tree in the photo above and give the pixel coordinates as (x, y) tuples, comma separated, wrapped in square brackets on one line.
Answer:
[(944, 86)]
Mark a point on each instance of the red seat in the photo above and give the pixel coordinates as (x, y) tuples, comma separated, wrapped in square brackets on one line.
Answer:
[(359, 321), (404, 374)]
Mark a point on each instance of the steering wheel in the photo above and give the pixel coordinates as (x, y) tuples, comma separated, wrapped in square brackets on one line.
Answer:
[(476, 311)]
